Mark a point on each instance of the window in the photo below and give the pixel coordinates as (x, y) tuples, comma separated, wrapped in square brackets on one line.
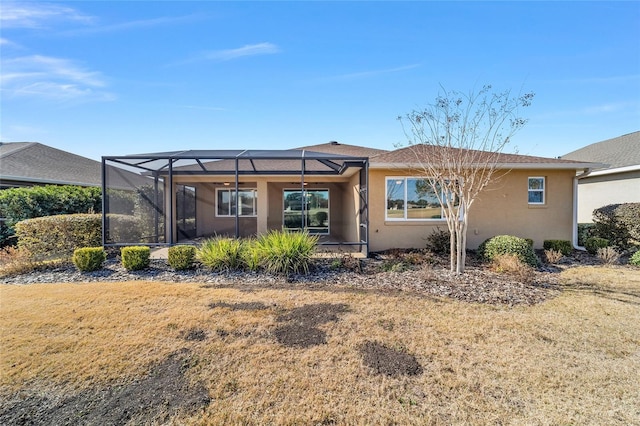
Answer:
[(536, 190), (227, 202), (412, 198), (308, 209)]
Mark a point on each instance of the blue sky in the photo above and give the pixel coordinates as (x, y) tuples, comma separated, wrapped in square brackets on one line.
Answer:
[(114, 78)]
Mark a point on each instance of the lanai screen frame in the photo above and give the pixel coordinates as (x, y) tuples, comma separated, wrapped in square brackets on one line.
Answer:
[(331, 165)]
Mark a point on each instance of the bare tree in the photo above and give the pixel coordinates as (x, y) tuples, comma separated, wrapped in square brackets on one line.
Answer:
[(457, 142)]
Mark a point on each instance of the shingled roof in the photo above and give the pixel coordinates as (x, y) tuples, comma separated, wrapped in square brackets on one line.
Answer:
[(407, 157), (622, 151), (334, 147), (34, 163)]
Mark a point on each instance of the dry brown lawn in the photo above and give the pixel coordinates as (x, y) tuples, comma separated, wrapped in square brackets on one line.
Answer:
[(572, 360)]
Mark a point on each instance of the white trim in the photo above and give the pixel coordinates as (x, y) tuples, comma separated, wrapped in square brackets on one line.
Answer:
[(255, 202), (405, 203), (543, 191), (616, 170)]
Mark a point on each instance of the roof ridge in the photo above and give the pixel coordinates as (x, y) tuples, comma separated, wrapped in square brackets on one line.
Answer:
[(22, 148)]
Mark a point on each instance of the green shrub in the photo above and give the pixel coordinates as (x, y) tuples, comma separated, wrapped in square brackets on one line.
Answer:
[(563, 246), (618, 223), (89, 259), (58, 236), (18, 204), (635, 259), (585, 231), (222, 253), (123, 229), (135, 258), (439, 241), (594, 243), (181, 257), (283, 252), (321, 217), (508, 244)]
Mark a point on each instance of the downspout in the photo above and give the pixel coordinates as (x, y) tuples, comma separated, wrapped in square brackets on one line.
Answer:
[(574, 241)]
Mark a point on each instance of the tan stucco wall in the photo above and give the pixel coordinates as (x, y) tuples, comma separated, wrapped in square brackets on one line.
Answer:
[(599, 191), (501, 209)]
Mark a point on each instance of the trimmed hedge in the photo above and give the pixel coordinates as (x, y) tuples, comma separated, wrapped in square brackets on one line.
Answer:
[(181, 257), (135, 258), (563, 246), (618, 223), (58, 236), (508, 244), (89, 259), (18, 204), (594, 243)]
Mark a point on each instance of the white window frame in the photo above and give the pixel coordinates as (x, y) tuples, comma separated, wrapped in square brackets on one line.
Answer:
[(406, 188), (232, 190), (542, 191)]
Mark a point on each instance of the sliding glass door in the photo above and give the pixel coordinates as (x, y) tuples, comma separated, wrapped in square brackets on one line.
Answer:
[(308, 209)]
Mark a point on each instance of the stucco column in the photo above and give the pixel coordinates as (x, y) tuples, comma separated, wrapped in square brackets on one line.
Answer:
[(263, 206)]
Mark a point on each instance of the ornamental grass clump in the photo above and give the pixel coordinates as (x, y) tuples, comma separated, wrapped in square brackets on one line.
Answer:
[(222, 253), (508, 244), (89, 259), (181, 258), (135, 258), (283, 252)]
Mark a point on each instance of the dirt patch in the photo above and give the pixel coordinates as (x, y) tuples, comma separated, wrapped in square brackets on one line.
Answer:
[(390, 362), (194, 334), (153, 399), (301, 328), (245, 306)]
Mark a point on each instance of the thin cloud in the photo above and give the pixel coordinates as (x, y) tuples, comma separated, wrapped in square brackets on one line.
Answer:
[(52, 78), (231, 54), (371, 73), (38, 15), (130, 25)]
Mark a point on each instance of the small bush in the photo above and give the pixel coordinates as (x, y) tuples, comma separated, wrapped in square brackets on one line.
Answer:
[(321, 217), (511, 264), (135, 258), (89, 259), (439, 241), (58, 236), (608, 255), (635, 259), (222, 253), (594, 243), (585, 231), (563, 246), (283, 252), (508, 244), (553, 256), (181, 257)]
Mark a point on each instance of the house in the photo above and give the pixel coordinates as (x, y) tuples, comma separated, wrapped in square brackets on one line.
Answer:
[(353, 197), (619, 182), (33, 163)]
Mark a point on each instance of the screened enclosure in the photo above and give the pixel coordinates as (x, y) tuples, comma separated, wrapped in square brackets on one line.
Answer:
[(171, 197)]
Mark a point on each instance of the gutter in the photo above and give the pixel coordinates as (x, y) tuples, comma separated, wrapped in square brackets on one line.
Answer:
[(574, 240)]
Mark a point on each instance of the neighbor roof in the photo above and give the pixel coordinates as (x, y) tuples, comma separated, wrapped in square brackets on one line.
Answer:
[(618, 152), (407, 157), (35, 163)]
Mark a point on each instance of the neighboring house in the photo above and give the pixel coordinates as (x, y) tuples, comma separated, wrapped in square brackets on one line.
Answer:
[(353, 197), (32, 163), (619, 182)]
